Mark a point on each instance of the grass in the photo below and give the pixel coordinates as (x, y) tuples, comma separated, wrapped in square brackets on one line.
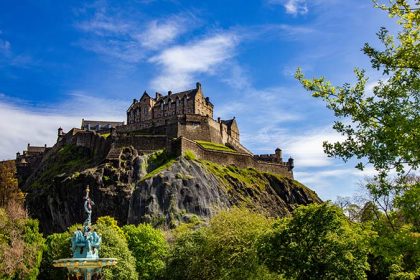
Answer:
[(214, 146), (68, 160), (250, 178), (159, 169), (157, 162), (190, 155)]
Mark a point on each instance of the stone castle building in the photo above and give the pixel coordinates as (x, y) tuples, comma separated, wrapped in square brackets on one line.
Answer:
[(188, 114), (176, 122)]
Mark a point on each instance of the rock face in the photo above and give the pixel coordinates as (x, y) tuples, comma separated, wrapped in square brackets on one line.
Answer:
[(163, 192)]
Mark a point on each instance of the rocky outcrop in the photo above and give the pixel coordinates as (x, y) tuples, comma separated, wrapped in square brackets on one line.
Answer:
[(153, 188)]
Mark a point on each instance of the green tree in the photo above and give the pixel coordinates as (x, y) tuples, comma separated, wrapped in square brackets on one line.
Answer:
[(225, 249), (114, 245), (383, 126), (57, 247), (318, 242), (149, 248)]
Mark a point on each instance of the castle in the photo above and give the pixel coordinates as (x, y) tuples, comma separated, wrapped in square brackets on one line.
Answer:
[(177, 122)]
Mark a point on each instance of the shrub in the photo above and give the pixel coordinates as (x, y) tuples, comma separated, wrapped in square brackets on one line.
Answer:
[(149, 248)]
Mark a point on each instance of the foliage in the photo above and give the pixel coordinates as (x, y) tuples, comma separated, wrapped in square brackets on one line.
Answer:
[(383, 126), (214, 146), (57, 247), (157, 162), (21, 244), (318, 242), (409, 204), (190, 155), (251, 178), (106, 135), (226, 249), (68, 159), (8, 183), (114, 245), (149, 248)]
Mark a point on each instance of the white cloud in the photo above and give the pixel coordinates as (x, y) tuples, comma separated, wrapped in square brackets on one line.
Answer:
[(182, 62), (127, 38), (22, 125), (307, 149), (159, 33), (294, 7)]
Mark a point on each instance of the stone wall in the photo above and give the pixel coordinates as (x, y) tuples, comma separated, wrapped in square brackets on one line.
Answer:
[(142, 143), (241, 160), (89, 139)]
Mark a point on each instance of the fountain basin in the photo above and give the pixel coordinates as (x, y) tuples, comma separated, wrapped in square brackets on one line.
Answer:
[(83, 266)]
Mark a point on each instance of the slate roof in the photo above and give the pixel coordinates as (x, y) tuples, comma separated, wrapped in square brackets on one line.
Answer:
[(180, 95), (228, 123)]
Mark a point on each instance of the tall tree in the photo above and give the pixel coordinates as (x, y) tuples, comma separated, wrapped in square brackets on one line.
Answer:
[(383, 126)]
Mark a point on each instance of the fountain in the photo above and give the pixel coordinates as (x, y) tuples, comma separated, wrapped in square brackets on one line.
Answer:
[(85, 245)]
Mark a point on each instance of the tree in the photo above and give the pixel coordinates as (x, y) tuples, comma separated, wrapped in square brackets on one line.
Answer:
[(114, 245), (318, 242), (383, 127), (57, 247), (21, 245), (9, 190), (225, 249), (149, 248)]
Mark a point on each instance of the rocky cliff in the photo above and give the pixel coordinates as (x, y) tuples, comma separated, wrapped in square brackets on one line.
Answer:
[(151, 188)]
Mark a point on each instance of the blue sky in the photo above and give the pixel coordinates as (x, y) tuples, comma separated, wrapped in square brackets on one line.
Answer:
[(61, 61)]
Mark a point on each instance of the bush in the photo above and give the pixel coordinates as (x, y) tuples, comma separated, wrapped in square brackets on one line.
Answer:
[(226, 249), (318, 242), (149, 248), (114, 245), (57, 247)]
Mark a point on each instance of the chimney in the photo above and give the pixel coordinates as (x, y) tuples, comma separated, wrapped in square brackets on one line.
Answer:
[(169, 93), (45, 145), (158, 95), (134, 100), (198, 85), (29, 144), (218, 119)]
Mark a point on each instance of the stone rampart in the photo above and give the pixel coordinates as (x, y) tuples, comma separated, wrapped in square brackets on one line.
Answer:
[(241, 160), (142, 143)]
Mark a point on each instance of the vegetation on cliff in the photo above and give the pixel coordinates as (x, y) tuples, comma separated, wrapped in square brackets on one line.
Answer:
[(66, 161)]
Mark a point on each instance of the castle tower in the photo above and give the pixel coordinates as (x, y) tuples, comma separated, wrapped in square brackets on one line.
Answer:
[(278, 155)]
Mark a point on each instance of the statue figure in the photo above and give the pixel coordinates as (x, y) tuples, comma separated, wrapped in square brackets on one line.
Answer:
[(88, 208), (84, 242)]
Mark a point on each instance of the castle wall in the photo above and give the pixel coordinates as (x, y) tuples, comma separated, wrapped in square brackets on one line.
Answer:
[(241, 160), (89, 139), (143, 143)]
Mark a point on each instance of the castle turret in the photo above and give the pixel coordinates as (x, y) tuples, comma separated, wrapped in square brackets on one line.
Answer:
[(59, 134), (290, 163), (278, 155)]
